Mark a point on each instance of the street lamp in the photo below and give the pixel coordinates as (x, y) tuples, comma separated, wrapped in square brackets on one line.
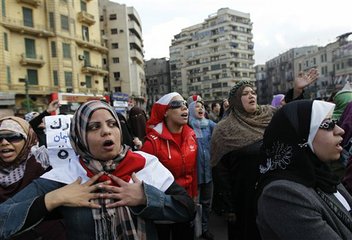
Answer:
[(25, 80)]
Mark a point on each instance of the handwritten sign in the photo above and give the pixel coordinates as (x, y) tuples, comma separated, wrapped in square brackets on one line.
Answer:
[(57, 138)]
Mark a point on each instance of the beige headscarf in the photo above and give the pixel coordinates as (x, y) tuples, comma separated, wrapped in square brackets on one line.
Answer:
[(240, 128)]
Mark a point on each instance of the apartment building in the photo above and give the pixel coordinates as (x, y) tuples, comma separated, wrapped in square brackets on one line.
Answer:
[(210, 57), (261, 84), (121, 29), (281, 70), (50, 46), (333, 62), (157, 71)]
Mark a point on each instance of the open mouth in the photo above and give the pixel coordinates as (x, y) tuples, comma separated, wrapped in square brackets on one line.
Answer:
[(7, 150), (184, 115), (108, 143)]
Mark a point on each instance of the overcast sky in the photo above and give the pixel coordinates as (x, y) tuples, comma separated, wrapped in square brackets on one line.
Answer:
[(278, 25)]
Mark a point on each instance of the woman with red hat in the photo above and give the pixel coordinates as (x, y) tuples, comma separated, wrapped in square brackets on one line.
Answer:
[(173, 142)]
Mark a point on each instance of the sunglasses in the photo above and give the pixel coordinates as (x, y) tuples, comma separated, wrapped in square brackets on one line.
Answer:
[(177, 104), (328, 125), (11, 137)]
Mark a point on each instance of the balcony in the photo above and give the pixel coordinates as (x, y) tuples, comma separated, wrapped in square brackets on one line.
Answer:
[(91, 44), (32, 89), (17, 25), (87, 18), (36, 61), (136, 56), (33, 3), (94, 70)]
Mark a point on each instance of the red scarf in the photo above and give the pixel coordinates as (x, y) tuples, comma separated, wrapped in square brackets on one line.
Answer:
[(130, 164)]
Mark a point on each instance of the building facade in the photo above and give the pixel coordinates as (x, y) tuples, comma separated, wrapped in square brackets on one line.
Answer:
[(261, 84), (210, 57), (121, 29), (333, 62), (281, 70), (50, 46), (157, 71)]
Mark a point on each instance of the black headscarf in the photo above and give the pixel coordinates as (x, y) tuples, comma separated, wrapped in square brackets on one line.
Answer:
[(287, 154)]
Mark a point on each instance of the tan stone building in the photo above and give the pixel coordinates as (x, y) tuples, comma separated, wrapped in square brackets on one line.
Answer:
[(53, 46), (210, 57), (121, 29)]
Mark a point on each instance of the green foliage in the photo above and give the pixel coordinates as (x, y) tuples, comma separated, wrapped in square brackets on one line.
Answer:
[(28, 104)]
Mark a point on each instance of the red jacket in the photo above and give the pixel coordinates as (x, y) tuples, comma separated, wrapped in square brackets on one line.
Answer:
[(181, 161)]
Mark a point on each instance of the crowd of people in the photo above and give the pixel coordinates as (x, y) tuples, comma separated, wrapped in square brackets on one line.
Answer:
[(278, 171)]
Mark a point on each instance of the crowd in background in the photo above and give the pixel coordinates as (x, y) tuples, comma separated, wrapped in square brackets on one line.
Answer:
[(276, 171)]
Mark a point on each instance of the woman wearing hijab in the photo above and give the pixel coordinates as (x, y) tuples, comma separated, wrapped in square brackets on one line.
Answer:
[(300, 198), (203, 129), (133, 189), (174, 143), (235, 155), (21, 161)]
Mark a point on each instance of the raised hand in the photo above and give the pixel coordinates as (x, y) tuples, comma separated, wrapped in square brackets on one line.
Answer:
[(127, 194), (75, 194), (305, 79), (53, 106)]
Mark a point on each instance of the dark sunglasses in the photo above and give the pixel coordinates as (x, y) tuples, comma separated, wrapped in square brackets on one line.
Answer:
[(177, 104), (11, 137), (328, 125)]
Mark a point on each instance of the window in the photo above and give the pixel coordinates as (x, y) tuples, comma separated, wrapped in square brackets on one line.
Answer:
[(85, 33), (101, 18), (30, 48), (51, 21), (6, 43), (66, 49), (8, 74), (64, 23), (83, 6), (56, 78), (117, 76), (53, 49), (115, 60), (89, 81), (114, 45), (68, 79), (114, 31), (3, 8), (32, 75), (112, 17), (117, 89), (86, 55), (27, 17)]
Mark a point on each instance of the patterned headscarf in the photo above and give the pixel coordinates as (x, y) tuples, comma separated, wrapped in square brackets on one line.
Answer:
[(16, 124), (12, 173), (79, 125), (240, 128), (287, 154)]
